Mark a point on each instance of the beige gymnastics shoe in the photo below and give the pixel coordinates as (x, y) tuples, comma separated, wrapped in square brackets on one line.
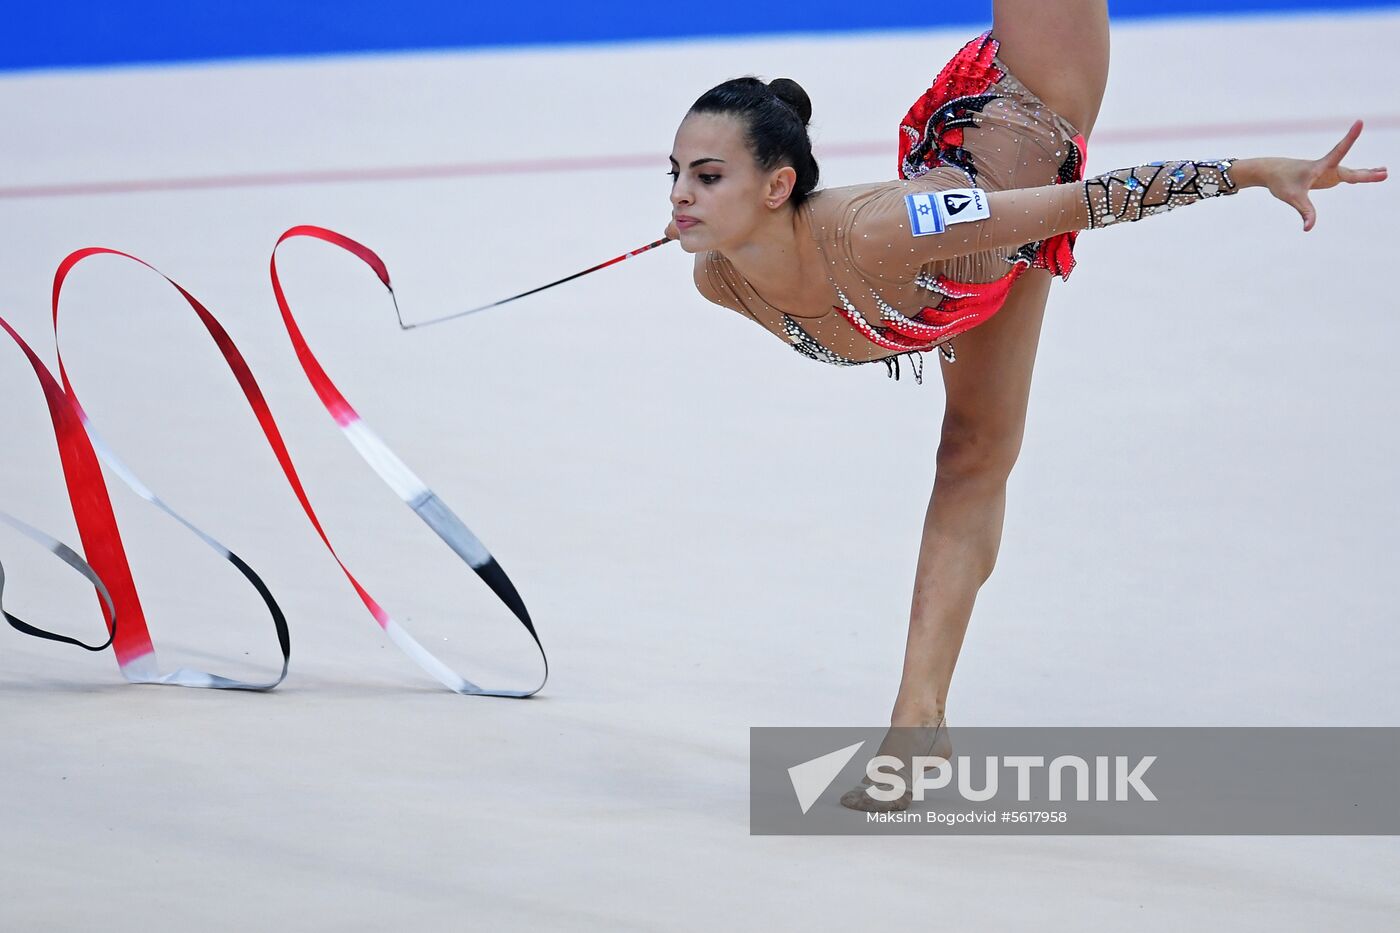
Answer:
[(905, 743)]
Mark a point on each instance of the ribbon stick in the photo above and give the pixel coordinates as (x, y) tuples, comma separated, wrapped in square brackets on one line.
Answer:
[(533, 291)]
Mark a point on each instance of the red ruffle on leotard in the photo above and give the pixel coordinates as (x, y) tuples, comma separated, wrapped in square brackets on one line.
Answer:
[(931, 135)]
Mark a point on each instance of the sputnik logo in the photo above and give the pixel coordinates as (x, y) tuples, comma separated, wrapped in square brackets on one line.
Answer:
[(811, 778)]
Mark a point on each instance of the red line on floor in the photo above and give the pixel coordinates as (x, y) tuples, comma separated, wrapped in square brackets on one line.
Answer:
[(1336, 126)]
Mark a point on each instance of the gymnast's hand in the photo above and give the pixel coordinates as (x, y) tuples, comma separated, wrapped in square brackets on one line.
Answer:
[(1290, 180)]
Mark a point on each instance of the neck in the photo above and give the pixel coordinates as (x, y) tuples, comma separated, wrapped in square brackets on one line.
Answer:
[(773, 258)]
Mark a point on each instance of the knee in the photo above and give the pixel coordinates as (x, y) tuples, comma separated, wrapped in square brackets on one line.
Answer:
[(973, 452)]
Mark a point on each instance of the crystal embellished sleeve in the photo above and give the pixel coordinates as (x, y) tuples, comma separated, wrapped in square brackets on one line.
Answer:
[(897, 232), (1134, 193)]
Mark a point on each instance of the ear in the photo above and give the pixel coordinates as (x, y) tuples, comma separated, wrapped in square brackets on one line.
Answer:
[(780, 184)]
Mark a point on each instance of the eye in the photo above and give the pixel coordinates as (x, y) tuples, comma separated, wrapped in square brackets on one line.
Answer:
[(709, 179), (674, 174)]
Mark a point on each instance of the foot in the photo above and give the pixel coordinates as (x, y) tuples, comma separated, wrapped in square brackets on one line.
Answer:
[(904, 743)]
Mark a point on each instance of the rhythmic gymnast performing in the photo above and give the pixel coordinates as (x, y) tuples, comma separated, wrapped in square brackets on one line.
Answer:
[(961, 248), (964, 245)]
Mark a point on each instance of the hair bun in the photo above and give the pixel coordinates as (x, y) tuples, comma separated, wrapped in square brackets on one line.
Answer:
[(791, 93), (766, 111)]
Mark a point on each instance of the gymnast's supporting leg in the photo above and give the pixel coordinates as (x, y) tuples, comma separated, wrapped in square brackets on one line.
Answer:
[(983, 423), (984, 419), (1059, 50)]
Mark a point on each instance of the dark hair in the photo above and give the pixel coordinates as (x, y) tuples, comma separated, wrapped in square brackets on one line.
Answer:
[(775, 116)]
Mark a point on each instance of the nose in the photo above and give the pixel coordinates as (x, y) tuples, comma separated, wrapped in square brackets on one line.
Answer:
[(680, 193)]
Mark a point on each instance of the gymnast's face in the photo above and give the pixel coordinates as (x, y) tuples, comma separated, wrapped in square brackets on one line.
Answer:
[(719, 195)]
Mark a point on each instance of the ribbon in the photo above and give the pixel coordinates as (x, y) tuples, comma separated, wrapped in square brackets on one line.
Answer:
[(66, 554), (81, 448), (398, 477)]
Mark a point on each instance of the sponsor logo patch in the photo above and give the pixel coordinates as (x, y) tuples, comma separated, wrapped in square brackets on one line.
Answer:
[(934, 211)]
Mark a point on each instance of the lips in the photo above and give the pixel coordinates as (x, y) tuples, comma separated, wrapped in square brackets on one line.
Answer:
[(685, 223)]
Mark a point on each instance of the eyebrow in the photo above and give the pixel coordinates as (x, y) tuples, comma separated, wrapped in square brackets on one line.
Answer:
[(699, 161)]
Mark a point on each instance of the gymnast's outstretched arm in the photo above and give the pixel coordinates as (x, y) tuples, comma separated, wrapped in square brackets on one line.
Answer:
[(938, 224)]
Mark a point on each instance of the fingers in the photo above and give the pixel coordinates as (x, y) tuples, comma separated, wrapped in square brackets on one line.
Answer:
[(1354, 176), (1305, 209), (1340, 150)]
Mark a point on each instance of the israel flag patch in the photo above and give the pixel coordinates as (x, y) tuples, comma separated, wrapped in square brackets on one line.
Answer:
[(924, 216)]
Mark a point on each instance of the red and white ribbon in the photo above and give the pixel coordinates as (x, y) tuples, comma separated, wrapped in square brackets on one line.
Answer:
[(405, 483), (81, 448)]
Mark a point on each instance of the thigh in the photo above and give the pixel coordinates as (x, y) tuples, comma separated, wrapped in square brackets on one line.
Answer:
[(1059, 50), (988, 387)]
